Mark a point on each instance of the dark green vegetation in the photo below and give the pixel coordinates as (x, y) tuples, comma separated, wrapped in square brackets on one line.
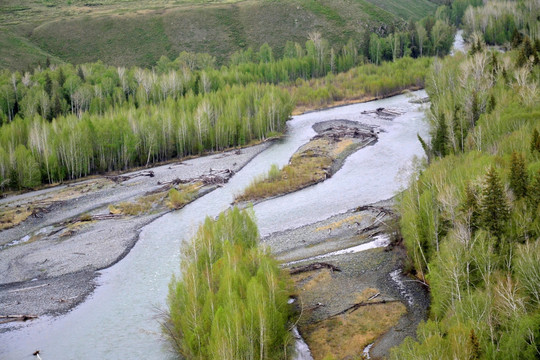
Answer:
[(471, 221), (230, 301), (139, 32), (64, 122)]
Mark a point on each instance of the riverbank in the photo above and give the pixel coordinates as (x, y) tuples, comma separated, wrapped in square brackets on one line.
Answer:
[(49, 262), (304, 109), (368, 261)]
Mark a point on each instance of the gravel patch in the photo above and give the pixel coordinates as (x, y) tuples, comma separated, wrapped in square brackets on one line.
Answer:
[(54, 264), (359, 271)]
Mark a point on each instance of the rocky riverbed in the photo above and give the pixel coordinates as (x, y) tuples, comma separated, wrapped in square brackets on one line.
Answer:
[(369, 259), (48, 263)]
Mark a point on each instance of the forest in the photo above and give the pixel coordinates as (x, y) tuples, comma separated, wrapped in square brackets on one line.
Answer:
[(64, 121), (471, 218)]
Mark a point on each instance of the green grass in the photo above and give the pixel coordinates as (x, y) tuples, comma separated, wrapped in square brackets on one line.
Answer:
[(413, 9), (317, 7), (17, 52), (139, 32)]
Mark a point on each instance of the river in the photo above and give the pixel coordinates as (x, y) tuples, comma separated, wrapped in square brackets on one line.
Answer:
[(118, 320)]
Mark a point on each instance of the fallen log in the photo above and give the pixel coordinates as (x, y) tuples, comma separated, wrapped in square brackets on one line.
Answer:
[(121, 178), (420, 101), (105, 216), (212, 178), (311, 267), (382, 112), (357, 306), (313, 307), (85, 218), (9, 318)]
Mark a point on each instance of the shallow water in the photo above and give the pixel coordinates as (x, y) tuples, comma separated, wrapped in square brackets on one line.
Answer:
[(398, 279), (459, 43), (118, 320)]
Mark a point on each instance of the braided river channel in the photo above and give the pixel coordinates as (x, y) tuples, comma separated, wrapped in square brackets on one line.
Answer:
[(118, 321)]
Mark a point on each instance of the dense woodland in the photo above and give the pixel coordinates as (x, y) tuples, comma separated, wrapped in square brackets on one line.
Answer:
[(63, 121), (471, 220), (231, 300)]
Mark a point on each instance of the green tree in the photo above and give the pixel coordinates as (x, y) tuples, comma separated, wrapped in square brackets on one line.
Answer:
[(518, 175), (231, 300), (471, 206), (534, 193), (494, 209), (48, 85), (535, 141), (26, 168), (440, 141)]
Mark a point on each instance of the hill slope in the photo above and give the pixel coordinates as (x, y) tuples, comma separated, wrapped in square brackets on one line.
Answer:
[(138, 32)]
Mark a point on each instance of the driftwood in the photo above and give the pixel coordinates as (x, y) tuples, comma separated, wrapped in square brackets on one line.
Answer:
[(337, 133), (311, 267), (212, 178), (27, 288), (93, 218), (382, 112), (103, 217), (84, 218), (37, 212), (313, 307), (176, 181), (420, 101), (121, 178), (217, 177), (10, 318), (357, 306), (382, 210)]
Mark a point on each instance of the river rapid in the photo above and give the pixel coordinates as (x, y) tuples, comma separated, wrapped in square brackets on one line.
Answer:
[(119, 321)]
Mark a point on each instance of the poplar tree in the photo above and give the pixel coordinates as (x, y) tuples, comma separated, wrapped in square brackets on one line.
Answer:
[(231, 300)]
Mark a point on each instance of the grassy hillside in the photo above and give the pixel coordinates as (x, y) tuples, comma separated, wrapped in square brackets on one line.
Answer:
[(136, 32)]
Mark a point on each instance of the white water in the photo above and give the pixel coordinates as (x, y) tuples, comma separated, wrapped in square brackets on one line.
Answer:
[(117, 321), (459, 43), (396, 277), (300, 347), (378, 242)]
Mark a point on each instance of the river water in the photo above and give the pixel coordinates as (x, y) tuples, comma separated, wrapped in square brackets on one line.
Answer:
[(118, 320)]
